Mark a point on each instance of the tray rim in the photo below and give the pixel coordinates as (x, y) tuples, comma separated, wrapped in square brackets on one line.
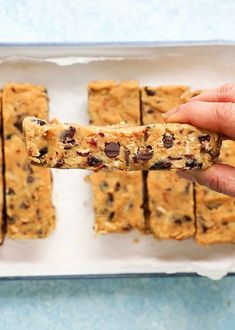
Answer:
[(116, 44)]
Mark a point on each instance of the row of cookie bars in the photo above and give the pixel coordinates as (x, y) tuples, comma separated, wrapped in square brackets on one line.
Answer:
[(25, 198), (156, 202)]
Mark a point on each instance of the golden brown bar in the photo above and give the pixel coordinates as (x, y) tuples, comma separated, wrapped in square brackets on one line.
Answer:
[(30, 213), (215, 212), (112, 103), (171, 209), (2, 224)]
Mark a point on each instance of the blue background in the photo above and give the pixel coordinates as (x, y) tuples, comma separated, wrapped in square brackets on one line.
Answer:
[(144, 303)]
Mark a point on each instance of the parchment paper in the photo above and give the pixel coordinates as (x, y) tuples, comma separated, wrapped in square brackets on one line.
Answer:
[(74, 249)]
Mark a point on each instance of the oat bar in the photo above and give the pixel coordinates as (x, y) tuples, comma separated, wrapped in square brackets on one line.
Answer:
[(170, 198), (2, 225), (215, 212), (117, 201), (111, 103), (117, 195), (158, 100), (30, 213), (153, 147)]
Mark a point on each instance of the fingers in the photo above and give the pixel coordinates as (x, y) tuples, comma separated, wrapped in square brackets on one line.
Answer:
[(225, 93), (215, 116), (218, 177)]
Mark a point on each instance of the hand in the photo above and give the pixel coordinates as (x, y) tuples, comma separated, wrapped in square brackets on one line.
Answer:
[(213, 110)]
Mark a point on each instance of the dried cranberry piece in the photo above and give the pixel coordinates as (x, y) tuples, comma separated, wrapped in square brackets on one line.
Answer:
[(112, 149), (161, 165), (168, 140), (101, 134)]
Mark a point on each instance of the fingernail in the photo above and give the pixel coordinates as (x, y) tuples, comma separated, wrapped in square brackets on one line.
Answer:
[(169, 113), (187, 175)]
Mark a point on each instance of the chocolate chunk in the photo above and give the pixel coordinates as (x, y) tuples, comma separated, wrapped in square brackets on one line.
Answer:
[(42, 152), (111, 215), (117, 186), (94, 162), (161, 165), (145, 154), (149, 92), (127, 154), (204, 138), (193, 164), (68, 134), (168, 140), (112, 149), (174, 158), (39, 122), (30, 179)]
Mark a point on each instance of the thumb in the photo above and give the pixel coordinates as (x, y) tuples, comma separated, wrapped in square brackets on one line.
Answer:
[(218, 177)]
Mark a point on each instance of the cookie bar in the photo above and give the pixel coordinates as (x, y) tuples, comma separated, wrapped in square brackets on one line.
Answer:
[(215, 212), (170, 205), (154, 147), (117, 195), (111, 103), (30, 213), (117, 201), (170, 198), (158, 100), (2, 225)]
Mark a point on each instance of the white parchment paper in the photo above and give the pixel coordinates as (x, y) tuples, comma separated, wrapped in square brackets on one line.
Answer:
[(74, 249)]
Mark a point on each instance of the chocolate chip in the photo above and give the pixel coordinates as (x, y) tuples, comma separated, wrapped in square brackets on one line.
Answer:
[(193, 164), (39, 122), (149, 92), (150, 111), (161, 165), (127, 154), (8, 136), (42, 152), (174, 158), (111, 215), (112, 149), (11, 219), (94, 162), (189, 156), (24, 205), (101, 134), (204, 138), (145, 154), (127, 227), (68, 134), (168, 140), (18, 122), (213, 205), (103, 186), (30, 179), (117, 186), (109, 200), (60, 162), (178, 220), (10, 191)]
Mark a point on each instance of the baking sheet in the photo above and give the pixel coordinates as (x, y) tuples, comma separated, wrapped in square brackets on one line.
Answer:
[(74, 249)]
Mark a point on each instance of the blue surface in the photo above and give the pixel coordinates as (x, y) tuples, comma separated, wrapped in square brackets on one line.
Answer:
[(154, 303)]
